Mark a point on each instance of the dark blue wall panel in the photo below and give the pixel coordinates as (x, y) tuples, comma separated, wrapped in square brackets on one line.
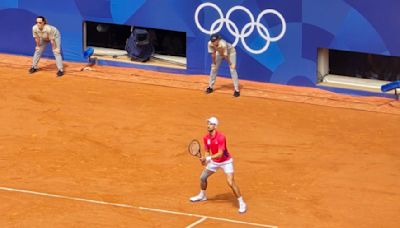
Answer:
[(368, 26)]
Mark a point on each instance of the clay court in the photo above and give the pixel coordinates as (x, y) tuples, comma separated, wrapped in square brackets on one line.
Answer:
[(108, 148)]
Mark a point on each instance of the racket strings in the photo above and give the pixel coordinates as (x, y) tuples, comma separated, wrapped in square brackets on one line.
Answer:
[(194, 148)]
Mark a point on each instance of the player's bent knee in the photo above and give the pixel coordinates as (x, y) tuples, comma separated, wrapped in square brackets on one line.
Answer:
[(230, 180), (203, 177)]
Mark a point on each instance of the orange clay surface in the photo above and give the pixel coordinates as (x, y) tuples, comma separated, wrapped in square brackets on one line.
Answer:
[(304, 157)]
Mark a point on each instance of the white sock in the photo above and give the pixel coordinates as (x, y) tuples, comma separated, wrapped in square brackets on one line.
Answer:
[(202, 192), (240, 199)]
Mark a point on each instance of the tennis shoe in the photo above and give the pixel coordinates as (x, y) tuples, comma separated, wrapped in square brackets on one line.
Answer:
[(236, 94), (242, 207), (60, 73), (209, 90), (198, 198), (32, 70)]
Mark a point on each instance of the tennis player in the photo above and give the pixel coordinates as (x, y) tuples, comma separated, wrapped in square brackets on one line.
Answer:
[(216, 157)]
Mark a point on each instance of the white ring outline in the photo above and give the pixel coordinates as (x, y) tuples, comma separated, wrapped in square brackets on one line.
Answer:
[(246, 30), (196, 16)]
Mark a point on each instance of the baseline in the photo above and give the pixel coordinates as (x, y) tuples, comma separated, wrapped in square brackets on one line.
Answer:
[(203, 217)]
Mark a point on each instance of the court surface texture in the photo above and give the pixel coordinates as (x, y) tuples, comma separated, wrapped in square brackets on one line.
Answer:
[(107, 147)]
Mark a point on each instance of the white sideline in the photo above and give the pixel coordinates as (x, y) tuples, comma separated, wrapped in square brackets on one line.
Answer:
[(203, 217)]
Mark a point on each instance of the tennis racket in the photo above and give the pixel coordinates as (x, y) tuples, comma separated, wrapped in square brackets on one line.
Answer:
[(194, 148)]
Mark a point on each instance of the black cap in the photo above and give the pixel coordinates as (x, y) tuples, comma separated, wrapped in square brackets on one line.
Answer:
[(215, 37)]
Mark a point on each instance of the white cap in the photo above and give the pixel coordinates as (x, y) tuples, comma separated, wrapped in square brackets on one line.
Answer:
[(213, 120)]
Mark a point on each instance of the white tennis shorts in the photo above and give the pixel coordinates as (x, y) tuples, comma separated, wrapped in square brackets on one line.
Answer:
[(227, 166)]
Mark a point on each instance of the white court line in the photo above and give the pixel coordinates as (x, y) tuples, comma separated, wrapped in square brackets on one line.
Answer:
[(197, 222), (209, 217), (135, 207)]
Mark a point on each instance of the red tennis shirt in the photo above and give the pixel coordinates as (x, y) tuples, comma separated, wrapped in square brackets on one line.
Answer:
[(213, 144)]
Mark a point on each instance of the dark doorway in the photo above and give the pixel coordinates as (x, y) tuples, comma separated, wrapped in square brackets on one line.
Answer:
[(107, 35), (364, 65), (114, 36)]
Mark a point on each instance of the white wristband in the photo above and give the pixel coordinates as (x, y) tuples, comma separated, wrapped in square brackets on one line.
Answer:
[(208, 158)]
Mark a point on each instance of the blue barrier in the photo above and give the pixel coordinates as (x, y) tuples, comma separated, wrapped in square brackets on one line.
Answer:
[(88, 52), (391, 86)]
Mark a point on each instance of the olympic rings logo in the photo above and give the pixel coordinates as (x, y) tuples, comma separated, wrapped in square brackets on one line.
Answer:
[(217, 25)]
